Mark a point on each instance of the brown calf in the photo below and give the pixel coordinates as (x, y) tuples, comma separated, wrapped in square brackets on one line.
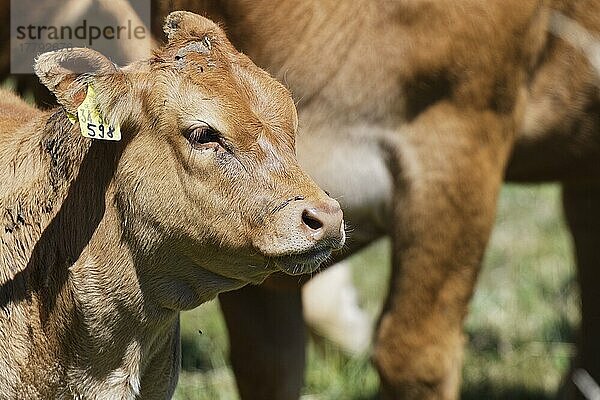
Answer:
[(103, 243), (413, 112)]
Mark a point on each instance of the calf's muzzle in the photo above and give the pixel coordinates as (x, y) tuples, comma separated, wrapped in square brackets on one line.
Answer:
[(323, 222)]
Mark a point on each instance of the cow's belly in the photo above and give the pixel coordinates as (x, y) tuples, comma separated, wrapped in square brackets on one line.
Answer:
[(348, 164)]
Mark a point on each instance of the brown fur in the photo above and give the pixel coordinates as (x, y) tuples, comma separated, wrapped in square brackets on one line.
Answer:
[(103, 243), (412, 112)]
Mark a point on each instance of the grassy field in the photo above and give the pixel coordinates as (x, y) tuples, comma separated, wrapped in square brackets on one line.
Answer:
[(520, 330)]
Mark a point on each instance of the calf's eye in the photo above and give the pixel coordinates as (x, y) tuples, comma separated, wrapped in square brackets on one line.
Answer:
[(199, 135)]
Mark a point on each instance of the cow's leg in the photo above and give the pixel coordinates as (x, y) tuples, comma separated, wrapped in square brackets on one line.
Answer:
[(267, 339), (332, 311), (582, 209), (449, 170)]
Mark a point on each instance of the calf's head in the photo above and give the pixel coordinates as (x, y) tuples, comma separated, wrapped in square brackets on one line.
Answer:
[(207, 174)]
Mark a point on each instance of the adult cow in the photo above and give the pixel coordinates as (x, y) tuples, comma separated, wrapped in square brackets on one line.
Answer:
[(412, 113), (103, 243)]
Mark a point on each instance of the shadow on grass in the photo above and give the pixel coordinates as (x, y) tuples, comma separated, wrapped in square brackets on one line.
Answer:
[(375, 396), (489, 392)]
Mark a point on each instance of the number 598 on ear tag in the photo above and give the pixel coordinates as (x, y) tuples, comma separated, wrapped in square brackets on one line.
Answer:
[(91, 121)]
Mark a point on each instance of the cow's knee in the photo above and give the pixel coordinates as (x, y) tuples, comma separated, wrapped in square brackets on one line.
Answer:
[(419, 368)]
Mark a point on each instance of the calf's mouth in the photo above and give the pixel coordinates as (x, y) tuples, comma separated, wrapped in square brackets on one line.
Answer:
[(305, 262)]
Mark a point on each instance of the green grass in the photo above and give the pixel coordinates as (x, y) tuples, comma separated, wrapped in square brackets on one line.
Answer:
[(520, 329)]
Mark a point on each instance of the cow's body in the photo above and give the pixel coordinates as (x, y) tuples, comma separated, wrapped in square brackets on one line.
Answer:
[(102, 243), (412, 113)]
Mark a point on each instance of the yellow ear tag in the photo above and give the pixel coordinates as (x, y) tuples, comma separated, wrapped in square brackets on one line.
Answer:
[(92, 122)]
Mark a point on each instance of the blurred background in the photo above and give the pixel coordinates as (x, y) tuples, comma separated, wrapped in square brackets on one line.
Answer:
[(520, 330)]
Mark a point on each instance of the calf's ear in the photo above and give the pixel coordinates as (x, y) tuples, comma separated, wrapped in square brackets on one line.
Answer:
[(68, 72), (185, 26)]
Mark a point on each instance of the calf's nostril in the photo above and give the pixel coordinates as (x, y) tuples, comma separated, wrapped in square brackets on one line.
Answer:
[(311, 221)]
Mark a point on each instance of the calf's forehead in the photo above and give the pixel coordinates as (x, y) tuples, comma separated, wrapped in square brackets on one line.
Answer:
[(201, 76), (231, 94), (269, 99)]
